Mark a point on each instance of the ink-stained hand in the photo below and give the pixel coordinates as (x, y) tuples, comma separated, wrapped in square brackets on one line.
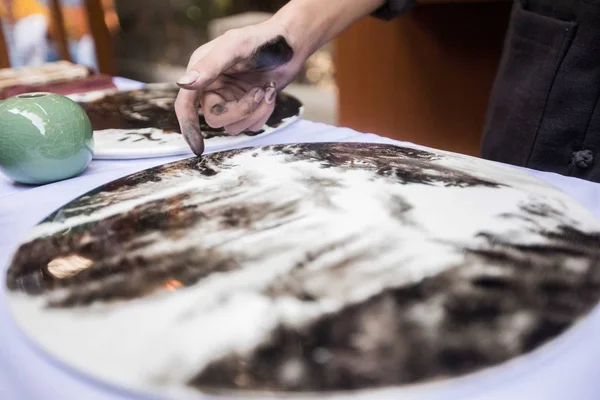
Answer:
[(235, 79)]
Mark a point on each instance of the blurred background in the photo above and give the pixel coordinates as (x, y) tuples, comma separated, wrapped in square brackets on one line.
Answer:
[(424, 77)]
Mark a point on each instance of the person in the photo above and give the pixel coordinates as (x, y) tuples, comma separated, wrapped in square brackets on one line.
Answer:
[(30, 31), (25, 28), (543, 112)]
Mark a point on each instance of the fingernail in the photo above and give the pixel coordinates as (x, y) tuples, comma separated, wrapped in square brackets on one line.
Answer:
[(259, 95), (218, 109), (189, 78), (271, 95)]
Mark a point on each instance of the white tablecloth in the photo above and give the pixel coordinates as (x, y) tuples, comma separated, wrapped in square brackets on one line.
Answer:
[(27, 373)]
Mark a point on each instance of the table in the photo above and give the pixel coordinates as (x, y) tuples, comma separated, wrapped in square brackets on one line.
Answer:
[(25, 373)]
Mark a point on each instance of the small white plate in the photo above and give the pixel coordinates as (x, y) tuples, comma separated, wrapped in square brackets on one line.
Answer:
[(142, 124)]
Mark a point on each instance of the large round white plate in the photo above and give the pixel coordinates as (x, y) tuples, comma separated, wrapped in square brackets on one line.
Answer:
[(368, 271), (141, 123)]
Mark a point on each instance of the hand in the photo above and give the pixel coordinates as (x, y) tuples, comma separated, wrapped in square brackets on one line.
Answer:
[(235, 79)]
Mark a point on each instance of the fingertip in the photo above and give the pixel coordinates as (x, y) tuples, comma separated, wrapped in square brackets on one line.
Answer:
[(259, 95), (197, 81), (194, 138), (271, 95), (233, 131), (188, 78)]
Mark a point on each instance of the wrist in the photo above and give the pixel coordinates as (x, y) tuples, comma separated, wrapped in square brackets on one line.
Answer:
[(309, 24), (303, 32)]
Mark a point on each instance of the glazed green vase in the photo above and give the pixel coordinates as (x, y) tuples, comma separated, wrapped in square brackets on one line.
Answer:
[(44, 138)]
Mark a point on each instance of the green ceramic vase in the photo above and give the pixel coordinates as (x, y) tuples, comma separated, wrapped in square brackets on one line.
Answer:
[(44, 138)]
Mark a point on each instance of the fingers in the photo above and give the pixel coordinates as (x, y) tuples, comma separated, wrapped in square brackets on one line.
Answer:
[(186, 108), (253, 122), (220, 113), (257, 119), (259, 124)]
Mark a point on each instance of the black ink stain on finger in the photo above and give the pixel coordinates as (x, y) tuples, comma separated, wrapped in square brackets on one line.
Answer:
[(193, 138), (219, 109), (270, 55)]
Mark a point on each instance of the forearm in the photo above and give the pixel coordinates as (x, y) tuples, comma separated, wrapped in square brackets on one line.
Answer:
[(311, 23)]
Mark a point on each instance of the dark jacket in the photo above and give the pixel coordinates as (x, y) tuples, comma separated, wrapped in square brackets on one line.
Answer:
[(544, 111)]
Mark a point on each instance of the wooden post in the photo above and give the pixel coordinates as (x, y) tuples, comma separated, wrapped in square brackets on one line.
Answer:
[(4, 57), (102, 37), (60, 33), (425, 77)]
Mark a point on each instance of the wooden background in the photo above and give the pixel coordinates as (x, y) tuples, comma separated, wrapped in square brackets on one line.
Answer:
[(425, 77)]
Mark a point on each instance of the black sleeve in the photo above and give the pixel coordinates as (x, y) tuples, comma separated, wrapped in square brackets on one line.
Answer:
[(392, 9)]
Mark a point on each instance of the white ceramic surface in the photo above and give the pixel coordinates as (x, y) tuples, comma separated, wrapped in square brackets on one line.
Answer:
[(418, 226)]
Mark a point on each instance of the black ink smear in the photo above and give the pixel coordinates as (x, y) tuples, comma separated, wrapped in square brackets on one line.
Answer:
[(389, 340), (404, 165), (271, 55), (114, 235), (142, 137), (147, 136), (117, 272), (399, 163)]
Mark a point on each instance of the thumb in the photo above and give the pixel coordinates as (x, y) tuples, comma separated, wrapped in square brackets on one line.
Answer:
[(223, 54)]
